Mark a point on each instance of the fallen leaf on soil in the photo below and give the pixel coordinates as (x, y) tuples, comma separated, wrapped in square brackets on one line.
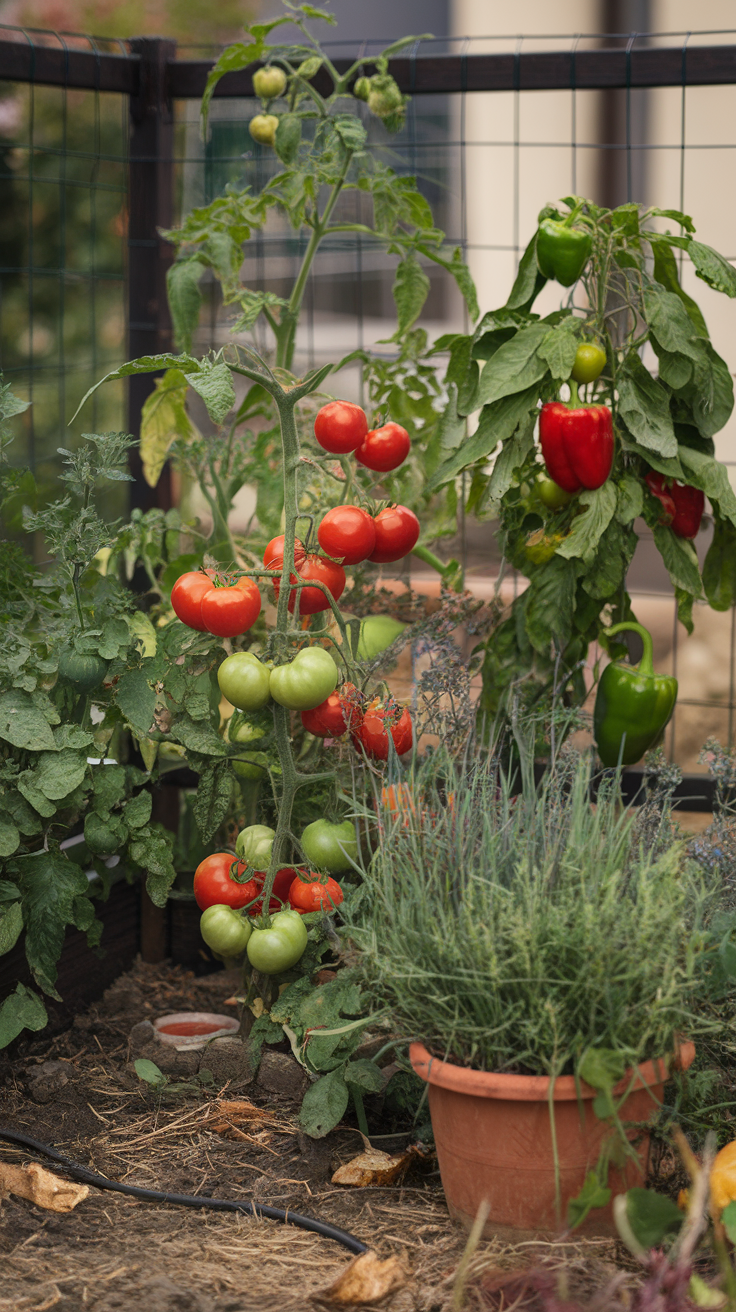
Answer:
[(366, 1280), (225, 1115), (374, 1167), (41, 1187)]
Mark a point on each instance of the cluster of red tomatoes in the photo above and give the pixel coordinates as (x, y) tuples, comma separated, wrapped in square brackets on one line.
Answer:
[(369, 725), (348, 535), (209, 602), (216, 884)]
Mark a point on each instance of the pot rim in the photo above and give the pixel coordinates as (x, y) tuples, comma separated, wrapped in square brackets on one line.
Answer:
[(535, 1088), (227, 1026)]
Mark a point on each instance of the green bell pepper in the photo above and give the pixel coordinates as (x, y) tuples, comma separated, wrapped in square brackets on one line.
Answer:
[(633, 704), (562, 251)]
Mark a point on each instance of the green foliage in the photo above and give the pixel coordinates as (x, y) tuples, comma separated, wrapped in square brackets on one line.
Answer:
[(513, 360), (161, 1084)]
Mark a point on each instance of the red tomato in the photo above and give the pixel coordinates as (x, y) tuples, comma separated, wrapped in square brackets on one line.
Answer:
[(322, 570), (397, 533), (384, 448), (349, 533), (307, 893), (186, 598), (230, 610), (340, 427), (333, 717), (279, 893), (273, 556), (213, 885), (372, 735)]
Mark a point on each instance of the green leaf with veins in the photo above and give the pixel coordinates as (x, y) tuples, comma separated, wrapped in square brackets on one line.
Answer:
[(22, 723), (588, 528), (644, 407), (214, 383), (712, 477), (550, 605), (516, 366), (21, 1010), (185, 299), (719, 568), (410, 291), (559, 348), (324, 1104), (680, 560), (529, 281), (665, 272), (49, 885), (11, 926), (164, 420), (712, 268), (513, 453), (630, 499)]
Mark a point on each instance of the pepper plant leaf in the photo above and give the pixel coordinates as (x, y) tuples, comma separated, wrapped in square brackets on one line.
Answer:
[(719, 568), (713, 268), (680, 560), (515, 366), (645, 408), (712, 477), (588, 528)]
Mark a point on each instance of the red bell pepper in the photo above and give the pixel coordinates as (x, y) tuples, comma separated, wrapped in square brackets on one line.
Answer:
[(577, 443), (682, 505)]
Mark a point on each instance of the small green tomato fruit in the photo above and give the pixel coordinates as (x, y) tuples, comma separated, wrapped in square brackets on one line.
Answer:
[(263, 127), (269, 82)]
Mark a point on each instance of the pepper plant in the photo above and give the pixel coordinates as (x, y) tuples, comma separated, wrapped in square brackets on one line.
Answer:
[(640, 446)]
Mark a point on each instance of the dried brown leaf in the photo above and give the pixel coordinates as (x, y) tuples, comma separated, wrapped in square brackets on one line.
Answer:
[(41, 1187), (367, 1279), (374, 1167)]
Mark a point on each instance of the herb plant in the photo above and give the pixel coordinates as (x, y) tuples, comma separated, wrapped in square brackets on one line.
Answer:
[(526, 932)]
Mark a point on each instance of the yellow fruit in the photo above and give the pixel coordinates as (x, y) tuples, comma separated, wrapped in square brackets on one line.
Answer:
[(723, 1177), (263, 127)]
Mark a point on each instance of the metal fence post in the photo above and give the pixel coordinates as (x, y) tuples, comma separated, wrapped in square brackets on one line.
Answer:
[(150, 207)]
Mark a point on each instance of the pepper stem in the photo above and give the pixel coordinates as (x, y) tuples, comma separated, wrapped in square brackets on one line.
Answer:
[(646, 664), (574, 401)]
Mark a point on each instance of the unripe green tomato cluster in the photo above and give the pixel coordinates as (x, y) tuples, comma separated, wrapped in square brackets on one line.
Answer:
[(300, 685)]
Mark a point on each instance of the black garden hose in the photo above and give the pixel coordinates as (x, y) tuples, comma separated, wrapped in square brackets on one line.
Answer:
[(84, 1176)]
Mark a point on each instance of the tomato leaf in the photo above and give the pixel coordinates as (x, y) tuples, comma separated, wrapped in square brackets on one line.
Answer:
[(365, 1075), (185, 298), (136, 700), (11, 925), (23, 724), (50, 884), (164, 418), (410, 291), (214, 383), (21, 1010), (324, 1104), (288, 137), (214, 792)]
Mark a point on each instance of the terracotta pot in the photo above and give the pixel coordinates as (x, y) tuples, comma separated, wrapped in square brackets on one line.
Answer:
[(494, 1141)]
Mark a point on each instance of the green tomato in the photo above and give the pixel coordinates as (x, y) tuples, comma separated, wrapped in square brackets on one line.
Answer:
[(85, 670), (269, 82), (589, 362), (306, 682), (254, 845), (278, 948), (263, 127), (224, 930), (330, 847), (245, 681), (384, 97), (377, 632), (551, 494), (362, 88), (253, 766)]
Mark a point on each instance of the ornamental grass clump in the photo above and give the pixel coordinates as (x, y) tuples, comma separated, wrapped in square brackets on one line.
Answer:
[(514, 931)]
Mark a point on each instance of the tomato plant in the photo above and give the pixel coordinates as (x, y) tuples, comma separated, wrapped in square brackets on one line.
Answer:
[(213, 882), (384, 448), (308, 893), (397, 531), (340, 427), (224, 930), (349, 533), (328, 846)]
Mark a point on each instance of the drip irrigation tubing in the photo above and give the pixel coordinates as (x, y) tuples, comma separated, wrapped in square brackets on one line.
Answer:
[(84, 1176)]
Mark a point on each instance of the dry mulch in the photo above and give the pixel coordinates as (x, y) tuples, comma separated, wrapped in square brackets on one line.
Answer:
[(114, 1253)]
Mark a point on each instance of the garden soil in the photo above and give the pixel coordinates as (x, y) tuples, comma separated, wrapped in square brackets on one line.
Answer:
[(77, 1089)]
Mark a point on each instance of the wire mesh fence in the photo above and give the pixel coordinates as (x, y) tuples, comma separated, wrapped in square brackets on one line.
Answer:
[(100, 146)]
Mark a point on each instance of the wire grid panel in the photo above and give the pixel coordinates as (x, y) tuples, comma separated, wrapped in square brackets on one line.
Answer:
[(63, 174)]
